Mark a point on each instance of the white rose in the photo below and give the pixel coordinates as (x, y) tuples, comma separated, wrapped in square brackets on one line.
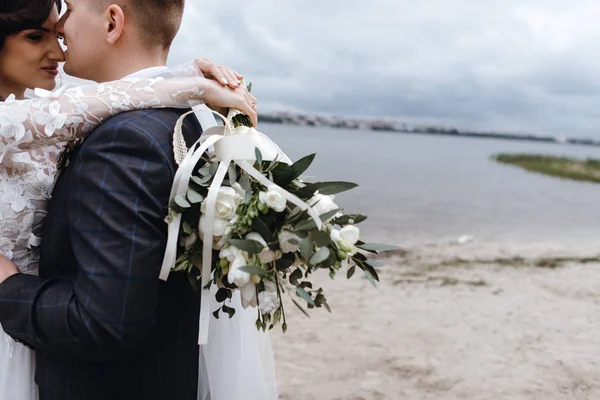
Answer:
[(235, 275), (336, 237), (268, 302), (284, 241), (219, 226), (270, 286), (273, 199), (226, 204), (350, 234), (266, 255), (248, 294), (322, 204), (230, 253)]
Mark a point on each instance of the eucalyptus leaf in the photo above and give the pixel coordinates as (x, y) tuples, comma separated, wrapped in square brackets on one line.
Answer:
[(223, 294), (229, 311), (253, 270), (245, 183), (259, 157), (321, 255), (250, 246), (297, 274), (182, 202), (232, 172), (304, 294), (194, 197), (306, 247)]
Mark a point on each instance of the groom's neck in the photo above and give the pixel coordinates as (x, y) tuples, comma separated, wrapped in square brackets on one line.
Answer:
[(129, 65)]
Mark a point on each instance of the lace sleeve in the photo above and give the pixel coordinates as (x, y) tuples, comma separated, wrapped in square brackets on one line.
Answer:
[(69, 113)]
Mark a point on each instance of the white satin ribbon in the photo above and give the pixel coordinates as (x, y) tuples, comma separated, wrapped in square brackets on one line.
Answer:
[(231, 145)]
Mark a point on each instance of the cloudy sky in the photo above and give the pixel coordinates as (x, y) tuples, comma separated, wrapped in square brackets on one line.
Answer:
[(505, 65)]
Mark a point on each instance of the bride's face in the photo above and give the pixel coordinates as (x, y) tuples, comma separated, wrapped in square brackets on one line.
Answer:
[(30, 58)]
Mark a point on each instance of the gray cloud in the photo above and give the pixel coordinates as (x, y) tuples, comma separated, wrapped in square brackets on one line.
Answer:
[(519, 65)]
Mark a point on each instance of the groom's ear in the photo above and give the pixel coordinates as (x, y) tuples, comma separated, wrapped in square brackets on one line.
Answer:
[(115, 22)]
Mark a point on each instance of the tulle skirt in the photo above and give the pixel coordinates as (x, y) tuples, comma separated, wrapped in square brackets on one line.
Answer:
[(17, 369), (238, 361)]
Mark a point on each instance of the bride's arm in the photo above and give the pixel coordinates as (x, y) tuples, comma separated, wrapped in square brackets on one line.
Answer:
[(71, 113)]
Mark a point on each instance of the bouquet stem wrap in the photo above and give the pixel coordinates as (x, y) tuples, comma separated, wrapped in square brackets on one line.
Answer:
[(231, 144)]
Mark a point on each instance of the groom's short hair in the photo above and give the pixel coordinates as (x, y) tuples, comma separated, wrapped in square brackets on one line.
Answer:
[(158, 20)]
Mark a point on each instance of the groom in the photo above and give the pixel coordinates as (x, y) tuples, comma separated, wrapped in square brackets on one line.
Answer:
[(102, 324)]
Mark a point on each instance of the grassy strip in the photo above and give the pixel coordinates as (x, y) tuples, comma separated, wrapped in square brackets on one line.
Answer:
[(561, 167)]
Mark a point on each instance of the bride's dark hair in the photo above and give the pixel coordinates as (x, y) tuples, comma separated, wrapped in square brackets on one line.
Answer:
[(19, 15)]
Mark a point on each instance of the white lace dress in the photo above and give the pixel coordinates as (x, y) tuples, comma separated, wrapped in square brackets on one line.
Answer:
[(32, 133)]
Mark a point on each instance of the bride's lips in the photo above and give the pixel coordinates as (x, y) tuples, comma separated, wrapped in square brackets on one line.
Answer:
[(51, 70)]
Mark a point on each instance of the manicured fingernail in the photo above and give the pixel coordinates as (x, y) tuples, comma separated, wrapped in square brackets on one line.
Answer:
[(224, 81)]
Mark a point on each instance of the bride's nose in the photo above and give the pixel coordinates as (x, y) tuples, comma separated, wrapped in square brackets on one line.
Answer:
[(56, 53)]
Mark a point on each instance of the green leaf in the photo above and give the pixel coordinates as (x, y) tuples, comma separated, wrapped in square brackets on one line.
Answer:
[(310, 223), (250, 246), (251, 269), (182, 202), (194, 197), (263, 230), (197, 180), (370, 278), (232, 173), (229, 311), (377, 247), (297, 274), (216, 313), (321, 255), (282, 174), (187, 229), (306, 247), (302, 165), (245, 183), (304, 294), (351, 271), (321, 238), (326, 188), (327, 308), (375, 264), (345, 219), (259, 158), (223, 294), (285, 262)]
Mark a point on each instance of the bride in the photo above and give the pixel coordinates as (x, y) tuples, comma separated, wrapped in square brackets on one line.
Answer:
[(33, 133)]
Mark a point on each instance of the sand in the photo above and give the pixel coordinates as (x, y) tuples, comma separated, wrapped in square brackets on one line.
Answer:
[(438, 328)]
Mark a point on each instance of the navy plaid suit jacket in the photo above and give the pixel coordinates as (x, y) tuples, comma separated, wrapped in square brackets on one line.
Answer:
[(102, 324)]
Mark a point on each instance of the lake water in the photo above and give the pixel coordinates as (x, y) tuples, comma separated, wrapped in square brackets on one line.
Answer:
[(423, 189)]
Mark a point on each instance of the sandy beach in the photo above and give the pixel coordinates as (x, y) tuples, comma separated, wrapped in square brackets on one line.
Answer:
[(452, 322)]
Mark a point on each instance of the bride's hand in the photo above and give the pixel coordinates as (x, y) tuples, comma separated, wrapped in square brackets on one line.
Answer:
[(239, 98), (7, 268), (219, 73)]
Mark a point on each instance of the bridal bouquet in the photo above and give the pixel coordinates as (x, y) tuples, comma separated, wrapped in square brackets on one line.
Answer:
[(246, 220)]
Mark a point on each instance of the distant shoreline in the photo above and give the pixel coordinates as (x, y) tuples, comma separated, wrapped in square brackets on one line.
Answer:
[(559, 167), (393, 127)]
